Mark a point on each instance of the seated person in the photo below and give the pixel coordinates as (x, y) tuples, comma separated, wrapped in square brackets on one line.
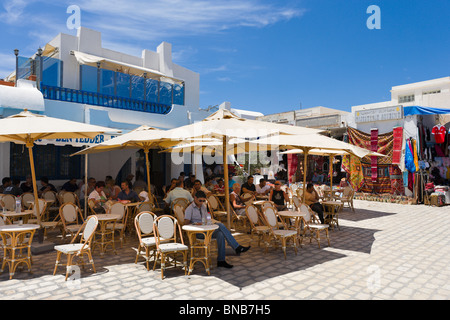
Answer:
[(249, 186), (70, 186), (197, 187), (279, 197), (170, 187), (312, 200), (143, 196), (27, 186), (262, 188), (189, 182), (98, 197), (127, 195), (111, 189), (14, 188), (46, 186), (209, 185), (236, 202), (177, 192), (194, 214), (220, 186)]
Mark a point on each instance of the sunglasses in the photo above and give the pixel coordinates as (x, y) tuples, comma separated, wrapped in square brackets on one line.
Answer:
[(201, 200)]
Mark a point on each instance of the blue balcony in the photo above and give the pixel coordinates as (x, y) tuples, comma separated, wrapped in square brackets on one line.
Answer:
[(104, 100), (103, 87)]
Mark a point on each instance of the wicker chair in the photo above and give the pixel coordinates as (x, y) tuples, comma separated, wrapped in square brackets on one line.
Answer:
[(71, 219), (8, 202), (119, 209), (256, 226), (143, 223), (313, 228), (216, 208), (27, 198), (347, 197), (276, 234), (78, 249), (165, 229)]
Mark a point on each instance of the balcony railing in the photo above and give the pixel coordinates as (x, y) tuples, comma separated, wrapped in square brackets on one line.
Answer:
[(98, 99)]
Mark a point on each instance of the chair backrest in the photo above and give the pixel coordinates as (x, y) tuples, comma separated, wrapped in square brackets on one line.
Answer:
[(296, 202), (69, 213), (50, 195), (347, 192), (146, 206), (213, 202), (26, 197), (89, 228), (269, 214), (182, 201), (305, 210), (69, 197), (42, 208), (179, 213), (267, 204), (119, 209), (300, 192), (143, 223), (165, 227), (252, 214), (9, 201), (246, 197)]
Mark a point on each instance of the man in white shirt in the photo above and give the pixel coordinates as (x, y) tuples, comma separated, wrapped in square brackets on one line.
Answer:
[(98, 197), (262, 188), (178, 192)]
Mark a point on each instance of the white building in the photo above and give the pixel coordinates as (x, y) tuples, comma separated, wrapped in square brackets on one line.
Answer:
[(82, 81)]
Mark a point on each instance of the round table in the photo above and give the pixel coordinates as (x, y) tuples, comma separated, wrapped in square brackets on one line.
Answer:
[(17, 238), (12, 215), (106, 233), (297, 215), (333, 214), (207, 230)]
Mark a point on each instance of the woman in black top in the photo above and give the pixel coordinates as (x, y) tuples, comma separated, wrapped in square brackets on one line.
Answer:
[(279, 197)]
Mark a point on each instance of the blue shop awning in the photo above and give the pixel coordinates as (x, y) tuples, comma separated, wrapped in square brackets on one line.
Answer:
[(409, 111)]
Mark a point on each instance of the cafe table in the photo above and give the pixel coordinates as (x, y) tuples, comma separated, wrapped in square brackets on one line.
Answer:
[(331, 213), (104, 235), (15, 239), (291, 214), (201, 245), (13, 216)]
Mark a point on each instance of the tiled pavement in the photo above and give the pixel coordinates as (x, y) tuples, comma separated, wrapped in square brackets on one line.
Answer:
[(382, 251)]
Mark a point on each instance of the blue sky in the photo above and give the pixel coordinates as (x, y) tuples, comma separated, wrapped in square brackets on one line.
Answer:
[(261, 55)]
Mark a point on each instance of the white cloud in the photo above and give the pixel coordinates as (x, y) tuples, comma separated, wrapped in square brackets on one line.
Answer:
[(158, 19), (13, 10)]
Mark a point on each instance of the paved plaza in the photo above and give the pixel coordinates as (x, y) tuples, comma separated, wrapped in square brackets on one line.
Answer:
[(382, 251)]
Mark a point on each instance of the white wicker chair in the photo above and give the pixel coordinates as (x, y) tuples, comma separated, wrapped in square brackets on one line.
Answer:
[(143, 223), (277, 234), (27, 198), (313, 228), (165, 229), (256, 228), (347, 197), (119, 209), (9, 202), (216, 208), (78, 249), (71, 219)]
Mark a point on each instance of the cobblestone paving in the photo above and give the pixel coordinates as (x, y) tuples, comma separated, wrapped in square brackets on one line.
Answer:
[(382, 251)]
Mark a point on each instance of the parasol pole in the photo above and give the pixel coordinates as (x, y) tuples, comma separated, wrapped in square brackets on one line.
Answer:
[(147, 163), (331, 174), (29, 144), (305, 171), (225, 174)]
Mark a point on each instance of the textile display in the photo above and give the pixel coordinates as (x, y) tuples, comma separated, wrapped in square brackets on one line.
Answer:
[(398, 144), (361, 180), (374, 148), (292, 160)]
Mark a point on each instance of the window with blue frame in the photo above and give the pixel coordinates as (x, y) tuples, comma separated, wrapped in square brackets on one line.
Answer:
[(52, 72), (178, 94), (165, 93), (137, 88), (122, 85), (152, 90), (107, 82), (51, 161), (88, 78)]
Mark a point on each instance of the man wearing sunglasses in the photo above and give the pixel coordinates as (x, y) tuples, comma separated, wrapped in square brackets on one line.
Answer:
[(194, 214)]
